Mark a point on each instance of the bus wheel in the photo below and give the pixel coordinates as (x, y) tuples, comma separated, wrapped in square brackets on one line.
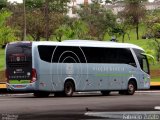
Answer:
[(68, 88), (41, 94), (105, 93), (131, 88)]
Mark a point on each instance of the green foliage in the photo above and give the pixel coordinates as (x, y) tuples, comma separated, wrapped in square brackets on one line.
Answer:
[(6, 32), (153, 28), (3, 4), (53, 5), (80, 29), (32, 4), (4, 15), (148, 47), (2, 59), (63, 32), (98, 18), (75, 29), (133, 13), (42, 17), (6, 35), (156, 28)]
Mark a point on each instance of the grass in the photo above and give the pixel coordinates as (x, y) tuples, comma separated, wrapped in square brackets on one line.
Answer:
[(2, 59), (155, 79), (155, 66)]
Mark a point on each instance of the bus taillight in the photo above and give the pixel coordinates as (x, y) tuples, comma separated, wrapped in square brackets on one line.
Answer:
[(34, 75)]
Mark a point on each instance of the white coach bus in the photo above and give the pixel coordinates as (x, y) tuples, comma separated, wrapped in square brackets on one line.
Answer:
[(72, 66)]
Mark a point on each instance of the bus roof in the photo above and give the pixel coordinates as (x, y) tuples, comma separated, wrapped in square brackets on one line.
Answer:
[(88, 43)]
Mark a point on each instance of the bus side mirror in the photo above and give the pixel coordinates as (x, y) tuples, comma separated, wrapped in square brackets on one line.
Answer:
[(150, 57)]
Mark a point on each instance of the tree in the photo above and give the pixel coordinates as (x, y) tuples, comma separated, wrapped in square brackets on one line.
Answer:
[(120, 30), (3, 4), (64, 31), (113, 2), (72, 29), (133, 12), (36, 27), (156, 28), (53, 5), (6, 35), (153, 28), (16, 19), (36, 15), (98, 19), (156, 44), (6, 32)]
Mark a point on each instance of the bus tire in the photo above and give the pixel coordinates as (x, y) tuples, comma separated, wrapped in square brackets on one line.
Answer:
[(69, 88), (131, 88), (41, 94), (105, 93)]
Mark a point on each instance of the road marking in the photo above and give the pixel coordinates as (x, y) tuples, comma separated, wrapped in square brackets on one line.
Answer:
[(123, 115), (143, 91), (153, 91), (157, 107)]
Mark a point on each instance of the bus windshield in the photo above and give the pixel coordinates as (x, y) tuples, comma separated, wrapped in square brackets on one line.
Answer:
[(143, 61)]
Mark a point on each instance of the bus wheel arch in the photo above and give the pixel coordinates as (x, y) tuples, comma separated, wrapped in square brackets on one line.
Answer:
[(131, 87), (69, 87)]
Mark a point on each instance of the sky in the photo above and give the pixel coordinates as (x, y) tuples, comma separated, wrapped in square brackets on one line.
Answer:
[(20, 1)]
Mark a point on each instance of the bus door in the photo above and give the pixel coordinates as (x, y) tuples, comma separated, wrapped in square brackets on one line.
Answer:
[(144, 77)]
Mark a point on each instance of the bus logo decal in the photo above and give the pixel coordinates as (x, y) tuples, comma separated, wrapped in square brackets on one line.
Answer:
[(69, 69)]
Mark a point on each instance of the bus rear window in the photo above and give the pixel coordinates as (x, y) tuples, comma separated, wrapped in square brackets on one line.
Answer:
[(19, 60)]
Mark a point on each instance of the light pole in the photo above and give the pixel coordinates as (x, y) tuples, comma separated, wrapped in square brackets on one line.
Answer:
[(24, 20)]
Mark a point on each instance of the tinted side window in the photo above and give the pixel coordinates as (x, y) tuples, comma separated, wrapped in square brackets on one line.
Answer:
[(68, 54), (100, 55), (93, 55), (125, 56), (46, 52), (109, 55)]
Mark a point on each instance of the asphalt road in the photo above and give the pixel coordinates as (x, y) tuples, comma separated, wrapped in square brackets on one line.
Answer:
[(79, 107)]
